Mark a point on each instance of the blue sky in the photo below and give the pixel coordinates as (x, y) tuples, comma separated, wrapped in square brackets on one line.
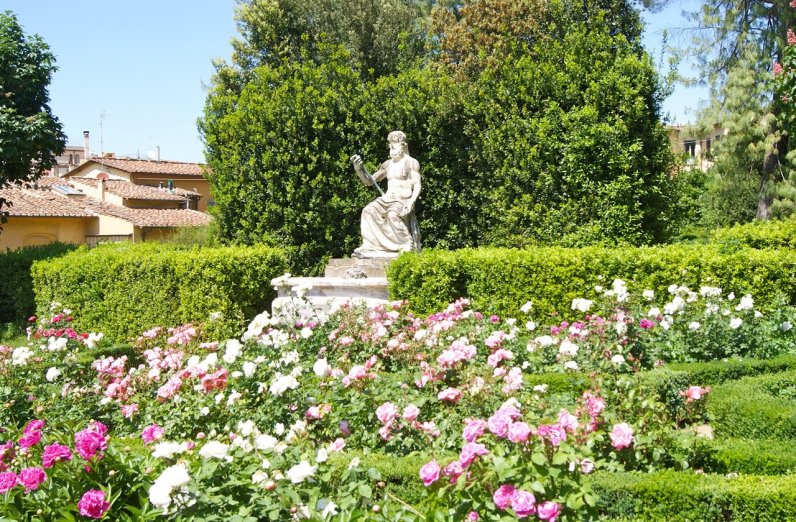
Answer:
[(141, 68)]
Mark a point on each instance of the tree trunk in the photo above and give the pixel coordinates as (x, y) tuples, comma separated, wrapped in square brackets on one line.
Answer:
[(771, 164)]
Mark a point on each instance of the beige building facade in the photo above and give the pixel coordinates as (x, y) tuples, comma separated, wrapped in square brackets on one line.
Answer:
[(696, 146)]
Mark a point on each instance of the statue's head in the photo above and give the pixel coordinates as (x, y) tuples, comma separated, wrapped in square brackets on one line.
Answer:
[(397, 142)]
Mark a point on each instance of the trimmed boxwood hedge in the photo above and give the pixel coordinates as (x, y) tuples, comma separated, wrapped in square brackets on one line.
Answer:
[(17, 301), (758, 234), (500, 280), (674, 496), (747, 456), (761, 407), (125, 289)]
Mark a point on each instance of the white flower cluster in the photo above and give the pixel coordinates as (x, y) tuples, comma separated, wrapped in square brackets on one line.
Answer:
[(173, 478), (20, 356)]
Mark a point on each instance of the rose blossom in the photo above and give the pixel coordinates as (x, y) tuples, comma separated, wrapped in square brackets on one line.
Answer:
[(470, 451), (523, 503), (472, 516), (453, 470), (499, 424), (567, 421), (89, 442), (430, 473), (32, 478), (152, 433), (386, 413), (622, 436), (694, 393), (30, 439), (519, 432), (474, 429), (549, 511), (8, 480), (54, 453), (503, 496), (93, 504), (34, 425), (411, 412), (450, 394)]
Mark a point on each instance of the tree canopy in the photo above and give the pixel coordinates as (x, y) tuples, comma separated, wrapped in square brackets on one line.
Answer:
[(532, 122), (30, 136)]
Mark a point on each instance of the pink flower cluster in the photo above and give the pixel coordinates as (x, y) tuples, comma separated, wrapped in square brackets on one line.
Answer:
[(694, 393), (92, 441), (31, 435), (622, 436), (458, 351), (318, 412), (182, 334), (387, 414), (523, 503), (152, 433), (360, 372)]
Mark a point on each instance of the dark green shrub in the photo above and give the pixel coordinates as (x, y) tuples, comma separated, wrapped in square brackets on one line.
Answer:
[(687, 496), (748, 456), (758, 234), (500, 280), (122, 290), (17, 301), (761, 407)]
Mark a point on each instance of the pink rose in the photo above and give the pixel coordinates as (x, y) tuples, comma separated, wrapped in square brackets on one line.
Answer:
[(499, 355), (472, 516), (345, 341), (128, 410), (586, 466), (450, 394), (453, 470), (34, 425), (470, 451), (554, 433), (215, 381), (411, 412), (171, 388), (594, 405), (54, 453), (549, 511), (313, 412), (93, 504), (519, 432), (503, 496), (499, 424), (387, 412), (646, 324), (567, 421), (152, 433), (694, 393), (523, 503), (32, 478), (621, 436), (474, 429), (337, 445), (89, 443), (430, 473), (8, 480), (30, 439)]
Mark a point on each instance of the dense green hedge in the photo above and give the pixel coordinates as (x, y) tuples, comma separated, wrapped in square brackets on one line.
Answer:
[(501, 280), (761, 407), (758, 234), (122, 290), (747, 456), (672, 495), (17, 301)]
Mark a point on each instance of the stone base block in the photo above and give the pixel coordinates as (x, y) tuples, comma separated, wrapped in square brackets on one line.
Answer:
[(328, 293), (356, 268)]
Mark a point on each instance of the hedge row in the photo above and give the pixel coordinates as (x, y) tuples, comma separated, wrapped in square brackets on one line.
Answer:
[(17, 301), (123, 290), (758, 234), (747, 456), (500, 280), (674, 496), (761, 407), (664, 495)]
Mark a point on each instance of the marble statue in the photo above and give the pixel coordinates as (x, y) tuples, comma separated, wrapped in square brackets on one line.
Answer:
[(389, 225)]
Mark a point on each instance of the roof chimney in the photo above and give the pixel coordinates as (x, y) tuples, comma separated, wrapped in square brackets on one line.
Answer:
[(86, 153)]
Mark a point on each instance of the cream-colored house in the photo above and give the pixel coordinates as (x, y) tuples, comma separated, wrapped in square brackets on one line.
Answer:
[(90, 211), (189, 177), (695, 145)]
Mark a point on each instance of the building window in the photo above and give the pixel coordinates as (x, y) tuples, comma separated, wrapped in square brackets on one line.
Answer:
[(707, 145), (690, 148), (718, 137), (77, 159)]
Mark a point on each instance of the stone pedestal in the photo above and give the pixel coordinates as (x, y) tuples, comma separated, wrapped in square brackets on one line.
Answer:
[(358, 281)]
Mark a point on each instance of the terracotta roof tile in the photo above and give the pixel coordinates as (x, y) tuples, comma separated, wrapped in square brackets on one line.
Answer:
[(153, 167), (151, 217), (42, 203), (129, 190)]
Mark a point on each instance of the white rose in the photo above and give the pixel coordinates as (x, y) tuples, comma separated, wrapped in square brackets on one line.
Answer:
[(300, 472), (617, 359), (52, 374), (736, 323), (249, 368), (321, 368), (214, 449)]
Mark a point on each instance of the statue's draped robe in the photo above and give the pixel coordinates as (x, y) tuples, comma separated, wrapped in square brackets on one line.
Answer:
[(383, 228)]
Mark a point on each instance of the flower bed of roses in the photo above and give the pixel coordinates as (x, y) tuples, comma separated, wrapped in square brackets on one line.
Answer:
[(258, 427)]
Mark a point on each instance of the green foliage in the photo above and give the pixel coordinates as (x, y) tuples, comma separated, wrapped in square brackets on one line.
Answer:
[(557, 141), (501, 280), (123, 290), (30, 135), (747, 456), (761, 407), (186, 237), (683, 496), (759, 234), (17, 301)]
